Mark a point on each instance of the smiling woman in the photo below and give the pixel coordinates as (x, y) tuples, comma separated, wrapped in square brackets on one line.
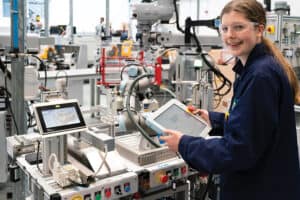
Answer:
[(239, 34), (258, 133)]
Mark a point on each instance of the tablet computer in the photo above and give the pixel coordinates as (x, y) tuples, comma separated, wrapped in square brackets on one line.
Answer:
[(175, 115), (58, 116)]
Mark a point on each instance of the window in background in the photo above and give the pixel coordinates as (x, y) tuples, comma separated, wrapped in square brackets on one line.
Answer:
[(6, 8), (35, 15), (86, 15), (35, 7), (59, 12)]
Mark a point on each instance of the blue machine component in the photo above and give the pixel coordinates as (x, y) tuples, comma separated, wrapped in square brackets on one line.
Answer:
[(15, 24), (133, 71)]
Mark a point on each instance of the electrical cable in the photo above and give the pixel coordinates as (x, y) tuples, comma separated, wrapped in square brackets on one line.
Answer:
[(9, 107), (43, 66), (177, 17), (207, 186), (217, 101), (130, 115), (3, 67), (66, 76), (103, 160), (228, 60), (37, 157), (54, 164), (217, 90), (107, 166), (215, 70), (166, 51), (29, 115), (203, 55), (169, 91)]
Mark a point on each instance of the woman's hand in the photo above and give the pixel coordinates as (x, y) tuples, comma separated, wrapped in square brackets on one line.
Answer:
[(203, 114), (172, 139)]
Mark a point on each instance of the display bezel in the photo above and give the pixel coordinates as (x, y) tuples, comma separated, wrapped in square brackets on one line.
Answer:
[(39, 108)]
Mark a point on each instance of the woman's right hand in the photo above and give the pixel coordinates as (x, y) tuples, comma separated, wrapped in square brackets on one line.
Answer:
[(203, 114)]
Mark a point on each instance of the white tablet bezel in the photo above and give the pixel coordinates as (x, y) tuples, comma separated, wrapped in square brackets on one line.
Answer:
[(159, 129)]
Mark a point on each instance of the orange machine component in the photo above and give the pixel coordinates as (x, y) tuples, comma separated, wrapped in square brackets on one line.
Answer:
[(270, 29)]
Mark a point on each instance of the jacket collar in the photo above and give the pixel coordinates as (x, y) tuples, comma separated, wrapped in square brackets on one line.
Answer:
[(257, 51)]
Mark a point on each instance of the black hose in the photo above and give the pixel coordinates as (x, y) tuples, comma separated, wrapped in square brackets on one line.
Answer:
[(4, 69), (142, 131), (7, 101), (177, 18), (43, 66), (209, 182), (203, 55)]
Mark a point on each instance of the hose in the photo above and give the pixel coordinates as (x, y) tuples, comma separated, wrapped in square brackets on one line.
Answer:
[(131, 117)]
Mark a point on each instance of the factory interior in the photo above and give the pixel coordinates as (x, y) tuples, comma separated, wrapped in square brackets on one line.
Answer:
[(88, 87)]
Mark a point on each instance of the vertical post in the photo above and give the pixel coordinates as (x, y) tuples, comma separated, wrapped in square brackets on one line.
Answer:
[(107, 28), (198, 9), (198, 13), (71, 21), (46, 11), (17, 65)]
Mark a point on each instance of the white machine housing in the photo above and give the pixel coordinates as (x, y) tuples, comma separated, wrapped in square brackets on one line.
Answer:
[(149, 13)]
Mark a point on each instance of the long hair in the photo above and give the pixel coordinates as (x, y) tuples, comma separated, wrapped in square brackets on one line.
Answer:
[(255, 12)]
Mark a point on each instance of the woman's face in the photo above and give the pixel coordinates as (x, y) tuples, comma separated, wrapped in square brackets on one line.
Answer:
[(239, 34)]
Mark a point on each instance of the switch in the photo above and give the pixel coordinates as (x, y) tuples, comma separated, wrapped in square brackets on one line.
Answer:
[(107, 193), (77, 197), (191, 108), (176, 172), (87, 197), (127, 187), (161, 177), (183, 170), (118, 190), (164, 178), (98, 195)]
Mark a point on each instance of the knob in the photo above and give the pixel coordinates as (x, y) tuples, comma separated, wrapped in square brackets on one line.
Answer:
[(164, 178)]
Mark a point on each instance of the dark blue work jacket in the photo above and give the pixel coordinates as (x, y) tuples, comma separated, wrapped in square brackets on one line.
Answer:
[(257, 156)]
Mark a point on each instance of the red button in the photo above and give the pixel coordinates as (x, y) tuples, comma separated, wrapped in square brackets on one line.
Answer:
[(191, 108), (164, 178), (107, 192), (137, 196), (183, 170)]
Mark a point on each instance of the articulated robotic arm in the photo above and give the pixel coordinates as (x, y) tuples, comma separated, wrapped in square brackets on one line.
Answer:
[(162, 11), (148, 14)]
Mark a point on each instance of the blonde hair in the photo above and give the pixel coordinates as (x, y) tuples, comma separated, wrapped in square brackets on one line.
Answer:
[(255, 12)]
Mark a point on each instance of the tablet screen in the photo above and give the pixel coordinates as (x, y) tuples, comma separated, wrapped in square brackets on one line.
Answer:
[(178, 119), (59, 117)]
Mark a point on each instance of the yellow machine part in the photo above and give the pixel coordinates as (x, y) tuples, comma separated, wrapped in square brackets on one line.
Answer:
[(126, 48)]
